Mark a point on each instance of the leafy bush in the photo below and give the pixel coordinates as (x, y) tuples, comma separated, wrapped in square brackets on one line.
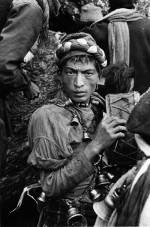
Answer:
[(142, 5)]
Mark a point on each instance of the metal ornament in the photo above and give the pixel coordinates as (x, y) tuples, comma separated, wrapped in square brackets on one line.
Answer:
[(95, 195), (68, 102), (42, 196), (86, 137), (75, 218), (75, 121)]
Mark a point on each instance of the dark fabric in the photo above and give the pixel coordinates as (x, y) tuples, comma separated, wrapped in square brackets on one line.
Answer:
[(139, 40), (133, 204), (115, 4), (139, 120), (5, 130), (65, 21), (3, 146), (4, 10), (21, 30), (4, 116)]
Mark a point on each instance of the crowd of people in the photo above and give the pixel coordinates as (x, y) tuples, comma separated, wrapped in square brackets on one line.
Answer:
[(74, 137)]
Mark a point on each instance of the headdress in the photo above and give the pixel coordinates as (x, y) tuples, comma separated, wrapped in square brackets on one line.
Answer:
[(79, 44)]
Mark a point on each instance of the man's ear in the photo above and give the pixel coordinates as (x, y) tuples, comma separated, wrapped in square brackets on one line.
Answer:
[(58, 77), (101, 80)]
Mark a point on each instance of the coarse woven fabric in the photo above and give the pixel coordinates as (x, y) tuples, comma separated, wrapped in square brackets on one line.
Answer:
[(78, 43)]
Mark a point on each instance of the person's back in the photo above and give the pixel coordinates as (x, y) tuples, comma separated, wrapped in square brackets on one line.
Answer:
[(139, 42), (140, 52)]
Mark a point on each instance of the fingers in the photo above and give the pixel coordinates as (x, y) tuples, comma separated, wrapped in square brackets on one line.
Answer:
[(114, 126), (119, 128), (118, 135), (114, 121)]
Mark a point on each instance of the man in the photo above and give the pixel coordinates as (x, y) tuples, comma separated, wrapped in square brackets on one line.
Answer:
[(67, 136), (133, 209), (128, 201), (18, 31), (139, 197), (124, 35)]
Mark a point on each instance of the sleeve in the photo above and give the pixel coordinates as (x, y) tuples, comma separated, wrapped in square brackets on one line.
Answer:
[(22, 28), (145, 217), (61, 168)]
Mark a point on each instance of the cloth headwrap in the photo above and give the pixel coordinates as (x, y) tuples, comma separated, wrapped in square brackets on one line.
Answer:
[(96, 2), (79, 44)]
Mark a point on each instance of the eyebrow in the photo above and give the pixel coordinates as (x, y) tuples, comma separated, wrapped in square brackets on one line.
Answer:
[(86, 70)]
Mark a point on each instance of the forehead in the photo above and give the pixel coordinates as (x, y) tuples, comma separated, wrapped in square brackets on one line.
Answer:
[(81, 65)]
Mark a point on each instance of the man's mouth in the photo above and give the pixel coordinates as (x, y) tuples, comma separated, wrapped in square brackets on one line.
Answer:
[(79, 93)]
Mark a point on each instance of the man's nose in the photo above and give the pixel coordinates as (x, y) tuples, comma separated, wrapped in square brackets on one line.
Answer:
[(79, 80)]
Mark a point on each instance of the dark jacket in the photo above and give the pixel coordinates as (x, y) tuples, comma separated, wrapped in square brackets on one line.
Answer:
[(4, 10), (139, 48), (20, 31)]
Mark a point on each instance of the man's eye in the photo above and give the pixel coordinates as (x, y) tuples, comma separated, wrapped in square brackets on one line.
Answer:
[(70, 73), (89, 74)]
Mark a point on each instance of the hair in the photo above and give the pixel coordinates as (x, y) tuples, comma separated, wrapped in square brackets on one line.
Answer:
[(146, 138), (118, 78), (116, 4), (83, 59)]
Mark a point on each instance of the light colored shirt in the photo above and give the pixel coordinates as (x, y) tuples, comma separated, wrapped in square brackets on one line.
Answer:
[(57, 149)]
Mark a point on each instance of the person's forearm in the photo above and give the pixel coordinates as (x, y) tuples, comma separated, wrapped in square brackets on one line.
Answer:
[(92, 150), (76, 170)]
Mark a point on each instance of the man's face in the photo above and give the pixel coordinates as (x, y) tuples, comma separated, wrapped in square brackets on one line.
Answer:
[(79, 80)]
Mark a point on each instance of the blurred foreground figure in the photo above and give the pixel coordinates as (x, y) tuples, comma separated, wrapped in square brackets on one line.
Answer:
[(18, 31), (68, 136), (128, 202), (124, 35)]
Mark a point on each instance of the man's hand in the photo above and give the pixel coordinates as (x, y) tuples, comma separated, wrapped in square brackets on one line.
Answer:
[(108, 131), (32, 91)]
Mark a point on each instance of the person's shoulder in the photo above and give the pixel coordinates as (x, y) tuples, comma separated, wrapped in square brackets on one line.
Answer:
[(142, 25), (47, 111), (101, 25), (145, 21)]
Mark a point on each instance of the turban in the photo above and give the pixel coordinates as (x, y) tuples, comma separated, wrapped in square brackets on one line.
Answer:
[(79, 44)]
